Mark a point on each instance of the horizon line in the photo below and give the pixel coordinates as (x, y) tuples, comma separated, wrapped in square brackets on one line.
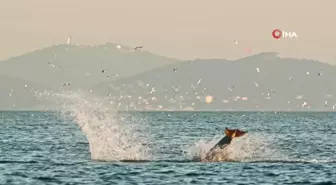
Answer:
[(106, 43), (210, 111)]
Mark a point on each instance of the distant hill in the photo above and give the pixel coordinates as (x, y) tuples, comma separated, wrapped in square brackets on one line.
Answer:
[(81, 65), (280, 84), (260, 82)]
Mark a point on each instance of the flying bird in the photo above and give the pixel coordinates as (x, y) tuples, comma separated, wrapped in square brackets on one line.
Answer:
[(138, 47), (66, 84), (69, 40), (53, 65), (199, 81), (175, 90), (231, 87)]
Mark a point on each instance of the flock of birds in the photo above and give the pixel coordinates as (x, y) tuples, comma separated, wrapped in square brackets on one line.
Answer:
[(207, 98), (103, 70)]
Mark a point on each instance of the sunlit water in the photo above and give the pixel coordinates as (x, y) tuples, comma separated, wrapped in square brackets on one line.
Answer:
[(84, 142)]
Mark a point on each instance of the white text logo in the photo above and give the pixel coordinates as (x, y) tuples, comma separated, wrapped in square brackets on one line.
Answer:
[(278, 34)]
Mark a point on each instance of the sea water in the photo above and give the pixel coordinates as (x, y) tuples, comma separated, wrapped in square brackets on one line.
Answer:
[(85, 142)]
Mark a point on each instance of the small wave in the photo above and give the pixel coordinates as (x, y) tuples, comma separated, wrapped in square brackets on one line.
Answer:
[(294, 161), (150, 161), (47, 179), (18, 162), (68, 164), (231, 161)]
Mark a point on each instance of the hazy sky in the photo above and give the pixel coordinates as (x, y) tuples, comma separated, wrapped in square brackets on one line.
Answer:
[(176, 28)]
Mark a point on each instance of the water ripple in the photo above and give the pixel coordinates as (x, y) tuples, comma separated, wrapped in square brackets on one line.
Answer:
[(282, 148)]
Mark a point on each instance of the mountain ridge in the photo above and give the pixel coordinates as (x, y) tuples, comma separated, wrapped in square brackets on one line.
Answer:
[(252, 77), (260, 82), (53, 66)]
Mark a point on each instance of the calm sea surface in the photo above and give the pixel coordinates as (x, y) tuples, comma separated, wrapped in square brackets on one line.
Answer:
[(86, 147)]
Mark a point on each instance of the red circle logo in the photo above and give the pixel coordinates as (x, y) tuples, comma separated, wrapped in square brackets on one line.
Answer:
[(276, 33)]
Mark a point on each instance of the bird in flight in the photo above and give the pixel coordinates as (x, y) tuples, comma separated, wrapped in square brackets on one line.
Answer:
[(66, 84), (138, 47), (104, 70), (53, 65)]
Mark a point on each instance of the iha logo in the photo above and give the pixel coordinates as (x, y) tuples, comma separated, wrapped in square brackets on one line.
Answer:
[(278, 34)]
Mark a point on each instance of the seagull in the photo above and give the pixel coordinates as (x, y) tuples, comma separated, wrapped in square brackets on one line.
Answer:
[(65, 84), (304, 104), (108, 77), (175, 69), (231, 87), (53, 65), (138, 47), (69, 40), (175, 90), (104, 70)]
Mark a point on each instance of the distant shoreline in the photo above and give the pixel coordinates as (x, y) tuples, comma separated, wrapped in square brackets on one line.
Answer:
[(176, 111)]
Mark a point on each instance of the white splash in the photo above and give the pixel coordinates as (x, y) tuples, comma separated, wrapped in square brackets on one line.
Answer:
[(247, 148), (200, 148), (109, 137), (253, 148)]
